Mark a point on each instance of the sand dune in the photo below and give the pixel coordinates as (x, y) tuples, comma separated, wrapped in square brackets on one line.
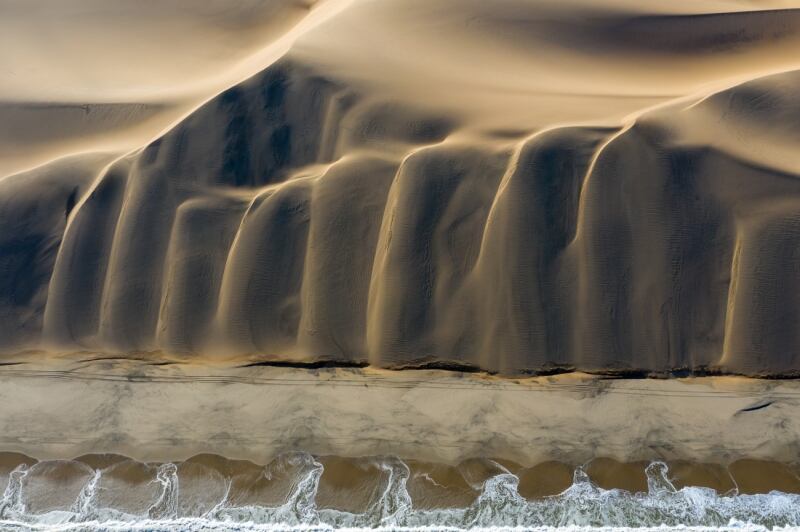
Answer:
[(95, 75), (511, 186)]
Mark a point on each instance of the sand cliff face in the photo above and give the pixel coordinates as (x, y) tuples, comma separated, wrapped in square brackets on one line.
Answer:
[(561, 186)]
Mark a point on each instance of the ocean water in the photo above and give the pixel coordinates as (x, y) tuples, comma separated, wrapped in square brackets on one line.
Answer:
[(499, 506)]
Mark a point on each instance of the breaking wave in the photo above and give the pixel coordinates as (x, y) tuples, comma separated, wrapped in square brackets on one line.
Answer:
[(499, 505)]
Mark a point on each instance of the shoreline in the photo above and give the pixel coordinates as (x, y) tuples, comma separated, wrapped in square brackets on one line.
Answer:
[(174, 411)]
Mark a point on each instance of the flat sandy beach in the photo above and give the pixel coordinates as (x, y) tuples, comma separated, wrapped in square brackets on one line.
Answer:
[(64, 407)]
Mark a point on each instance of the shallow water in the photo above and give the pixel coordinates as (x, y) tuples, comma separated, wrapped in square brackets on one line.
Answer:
[(213, 493)]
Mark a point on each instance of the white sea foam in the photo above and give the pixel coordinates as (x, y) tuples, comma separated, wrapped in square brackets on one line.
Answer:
[(583, 506)]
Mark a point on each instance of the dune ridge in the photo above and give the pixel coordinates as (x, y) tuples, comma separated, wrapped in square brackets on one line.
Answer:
[(332, 208)]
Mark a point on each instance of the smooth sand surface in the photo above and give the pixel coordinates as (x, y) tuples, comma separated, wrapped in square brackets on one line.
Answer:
[(98, 75), (67, 407), (520, 187)]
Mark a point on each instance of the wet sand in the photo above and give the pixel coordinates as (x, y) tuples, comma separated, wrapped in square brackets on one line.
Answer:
[(354, 485)]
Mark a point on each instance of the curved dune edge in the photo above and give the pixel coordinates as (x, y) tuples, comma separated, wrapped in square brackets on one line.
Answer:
[(126, 73), (63, 408), (324, 211), (295, 219)]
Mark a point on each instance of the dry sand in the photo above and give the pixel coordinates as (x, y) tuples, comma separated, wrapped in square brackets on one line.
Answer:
[(109, 76), (431, 230), (191, 189), (514, 186)]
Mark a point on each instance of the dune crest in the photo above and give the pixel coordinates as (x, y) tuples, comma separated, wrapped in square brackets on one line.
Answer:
[(517, 203)]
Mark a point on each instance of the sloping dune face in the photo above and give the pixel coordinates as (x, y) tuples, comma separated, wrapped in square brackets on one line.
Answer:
[(512, 186), (109, 75)]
